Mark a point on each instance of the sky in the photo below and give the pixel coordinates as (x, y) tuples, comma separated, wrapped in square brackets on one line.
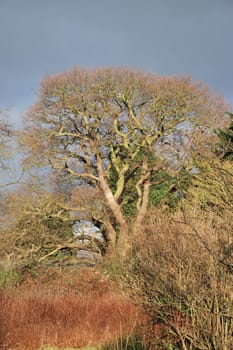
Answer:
[(169, 37)]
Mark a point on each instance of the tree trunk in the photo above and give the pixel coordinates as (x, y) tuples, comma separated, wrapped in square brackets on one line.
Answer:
[(122, 242), (110, 237), (142, 209)]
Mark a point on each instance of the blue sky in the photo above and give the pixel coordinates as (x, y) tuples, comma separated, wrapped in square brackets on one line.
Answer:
[(168, 37)]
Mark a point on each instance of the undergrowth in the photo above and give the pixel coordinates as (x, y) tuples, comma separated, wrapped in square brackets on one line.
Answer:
[(59, 309)]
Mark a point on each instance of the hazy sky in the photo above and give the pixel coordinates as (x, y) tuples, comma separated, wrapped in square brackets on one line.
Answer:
[(169, 37)]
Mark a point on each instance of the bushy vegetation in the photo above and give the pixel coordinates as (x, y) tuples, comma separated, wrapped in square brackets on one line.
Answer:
[(180, 278)]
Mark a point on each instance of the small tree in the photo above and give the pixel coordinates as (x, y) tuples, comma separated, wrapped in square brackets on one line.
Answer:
[(104, 128), (35, 224)]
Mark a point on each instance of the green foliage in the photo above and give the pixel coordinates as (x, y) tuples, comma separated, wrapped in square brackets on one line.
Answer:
[(225, 145), (164, 192), (130, 196)]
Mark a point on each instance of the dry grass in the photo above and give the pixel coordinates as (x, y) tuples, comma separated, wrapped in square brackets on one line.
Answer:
[(63, 312)]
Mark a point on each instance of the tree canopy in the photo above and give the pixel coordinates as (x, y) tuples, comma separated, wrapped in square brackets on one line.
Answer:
[(114, 130)]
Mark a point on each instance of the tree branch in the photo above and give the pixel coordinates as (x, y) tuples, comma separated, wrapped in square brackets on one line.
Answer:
[(69, 246)]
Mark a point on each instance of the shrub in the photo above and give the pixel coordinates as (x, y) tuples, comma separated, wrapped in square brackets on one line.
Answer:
[(177, 276)]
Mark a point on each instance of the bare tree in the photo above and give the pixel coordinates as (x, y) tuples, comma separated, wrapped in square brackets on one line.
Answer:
[(103, 127)]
